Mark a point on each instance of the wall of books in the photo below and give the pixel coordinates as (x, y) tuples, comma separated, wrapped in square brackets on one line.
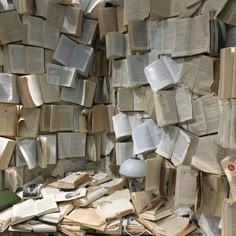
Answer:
[(87, 84)]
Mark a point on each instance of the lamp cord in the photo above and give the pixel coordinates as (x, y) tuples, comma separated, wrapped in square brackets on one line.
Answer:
[(124, 226)]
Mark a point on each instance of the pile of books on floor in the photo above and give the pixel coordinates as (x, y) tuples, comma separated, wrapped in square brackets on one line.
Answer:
[(86, 202), (87, 84)]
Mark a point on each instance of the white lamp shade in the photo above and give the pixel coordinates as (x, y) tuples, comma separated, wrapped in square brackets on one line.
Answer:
[(133, 168)]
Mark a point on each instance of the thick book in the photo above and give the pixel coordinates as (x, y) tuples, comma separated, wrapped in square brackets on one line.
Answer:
[(71, 181), (8, 198)]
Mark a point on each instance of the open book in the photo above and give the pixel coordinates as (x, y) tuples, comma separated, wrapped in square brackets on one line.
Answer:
[(136, 99), (191, 36), (116, 45), (200, 74), (67, 19), (30, 208), (64, 209), (82, 94), (93, 120), (138, 40), (129, 72), (89, 30), (53, 118), (24, 59), (30, 91), (173, 106), (72, 54), (71, 145), (177, 145), (162, 73), (40, 33), (13, 30), (161, 35)]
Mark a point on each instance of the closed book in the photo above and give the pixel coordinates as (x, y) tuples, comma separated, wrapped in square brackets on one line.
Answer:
[(7, 199)]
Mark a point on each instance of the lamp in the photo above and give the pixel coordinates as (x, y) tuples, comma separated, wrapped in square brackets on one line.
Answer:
[(133, 168)]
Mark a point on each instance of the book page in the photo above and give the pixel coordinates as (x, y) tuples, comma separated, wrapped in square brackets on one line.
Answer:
[(136, 65), (169, 28), (174, 66), (34, 60), (165, 106), (158, 75), (166, 145), (182, 37), (204, 76), (89, 217), (228, 214), (186, 185), (155, 34), (138, 35), (214, 191), (71, 145), (183, 100), (133, 9), (23, 211), (146, 137), (115, 208), (122, 126), (211, 110), (17, 58), (12, 31), (8, 88), (51, 93), (28, 123), (64, 50), (181, 148), (88, 32), (153, 171), (61, 75), (207, 146), (8, 119), (189, 71), (123, 151), (46, 205), (107, 20), (200, 34), (120, 76), (198, 125), (28, 149)]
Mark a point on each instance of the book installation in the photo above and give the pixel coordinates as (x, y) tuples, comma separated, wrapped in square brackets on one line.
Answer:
[(117, 117)]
